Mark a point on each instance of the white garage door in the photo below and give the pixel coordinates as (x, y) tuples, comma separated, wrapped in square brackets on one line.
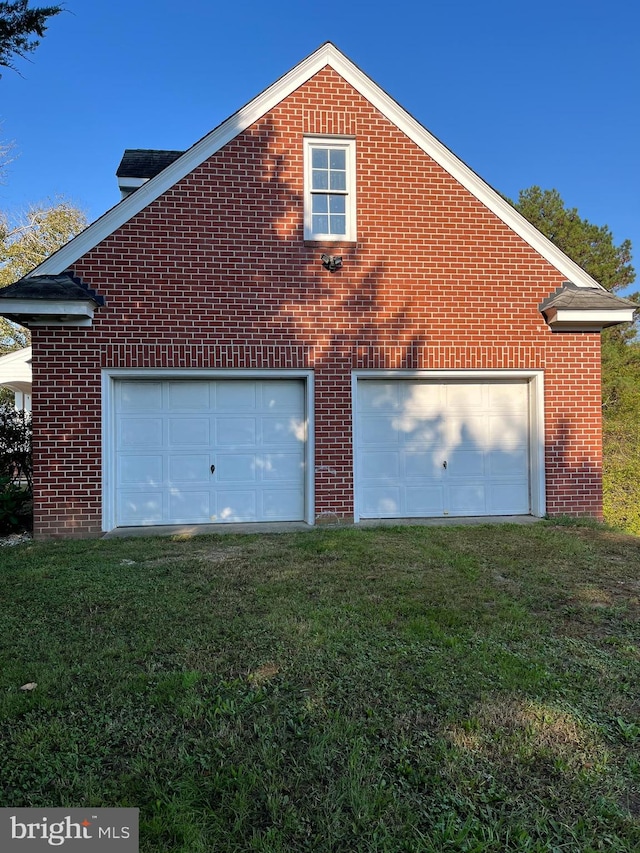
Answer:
[(435, 449), (201, 451)]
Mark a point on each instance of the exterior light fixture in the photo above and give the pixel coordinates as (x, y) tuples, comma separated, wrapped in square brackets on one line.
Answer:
[(331, 262)]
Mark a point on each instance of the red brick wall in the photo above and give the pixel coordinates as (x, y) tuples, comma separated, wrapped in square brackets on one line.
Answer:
[(215, 273)]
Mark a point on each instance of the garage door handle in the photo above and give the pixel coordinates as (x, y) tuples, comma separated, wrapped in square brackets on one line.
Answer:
[(444, 464), (213, 468)]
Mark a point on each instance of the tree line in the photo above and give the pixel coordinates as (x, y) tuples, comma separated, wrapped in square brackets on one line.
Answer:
[(593, 248)]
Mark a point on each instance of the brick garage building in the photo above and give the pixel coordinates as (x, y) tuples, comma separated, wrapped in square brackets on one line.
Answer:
[(316, 312)]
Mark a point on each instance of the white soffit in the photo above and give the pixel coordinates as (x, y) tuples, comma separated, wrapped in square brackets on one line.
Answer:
[(327, 54)]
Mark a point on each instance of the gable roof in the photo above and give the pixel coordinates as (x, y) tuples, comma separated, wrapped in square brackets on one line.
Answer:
[(326, 54)]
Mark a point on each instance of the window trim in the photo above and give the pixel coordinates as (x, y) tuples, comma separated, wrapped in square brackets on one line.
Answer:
[(349, 146)]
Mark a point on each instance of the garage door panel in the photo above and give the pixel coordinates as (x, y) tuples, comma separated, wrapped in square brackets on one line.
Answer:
[(509, 463), (466, 430), (253, 431), (285, 396), (507, 499), (419, 464), (236, 431), (468, 463), (189, 506), (416, 428), (442, 448), (140, 469), (421, 398), (139, 432), (235, 396), (381, 502), (467, 498), (140, 508), (191, 395), (379, 430), (189, 468), (281, 467), (235, 467), (189, 432), (508, 396), (381, 464), (380, 395), (283, 430), (464, 396), (510, 430), (132, 396), (426, 500), (236, 505), (280, 505)]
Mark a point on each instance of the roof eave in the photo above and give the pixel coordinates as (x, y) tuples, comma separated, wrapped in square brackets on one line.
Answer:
[(567, 320), (40, 312)]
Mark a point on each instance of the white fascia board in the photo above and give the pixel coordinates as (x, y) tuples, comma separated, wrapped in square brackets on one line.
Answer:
[(49, 306), (39, 312), (591, 318), (327, 54), (132, 182)]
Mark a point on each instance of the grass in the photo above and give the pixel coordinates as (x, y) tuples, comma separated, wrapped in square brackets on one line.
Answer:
[(391, 689)]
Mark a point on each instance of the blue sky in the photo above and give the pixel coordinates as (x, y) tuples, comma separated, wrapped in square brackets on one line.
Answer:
[(525, 93)]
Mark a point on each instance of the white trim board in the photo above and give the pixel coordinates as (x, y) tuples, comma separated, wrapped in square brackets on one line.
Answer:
[(111, 375), (327, 54)]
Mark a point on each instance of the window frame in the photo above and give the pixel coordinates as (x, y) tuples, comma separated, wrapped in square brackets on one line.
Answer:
[(348, 145)]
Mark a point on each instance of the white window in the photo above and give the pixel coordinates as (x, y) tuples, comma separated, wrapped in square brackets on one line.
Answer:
[(330, 212)]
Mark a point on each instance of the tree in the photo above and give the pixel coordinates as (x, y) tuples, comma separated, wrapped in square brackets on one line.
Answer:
[(592, 247), (26, 243), (19, 27)]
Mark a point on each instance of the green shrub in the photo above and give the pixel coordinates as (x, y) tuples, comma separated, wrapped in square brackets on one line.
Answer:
[(16, 470), (621, 474), (16, 507)]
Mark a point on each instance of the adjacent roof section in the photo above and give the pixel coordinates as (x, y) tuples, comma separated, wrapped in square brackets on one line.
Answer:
[(15, 370), (49, 300), (326, 55), (145, 162), (138, 165), (573, 308)]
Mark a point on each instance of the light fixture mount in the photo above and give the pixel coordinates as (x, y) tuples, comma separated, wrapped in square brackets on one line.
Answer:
[(331, 262)]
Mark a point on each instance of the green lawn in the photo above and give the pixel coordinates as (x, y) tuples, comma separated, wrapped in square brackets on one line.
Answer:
[(390, 689)]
